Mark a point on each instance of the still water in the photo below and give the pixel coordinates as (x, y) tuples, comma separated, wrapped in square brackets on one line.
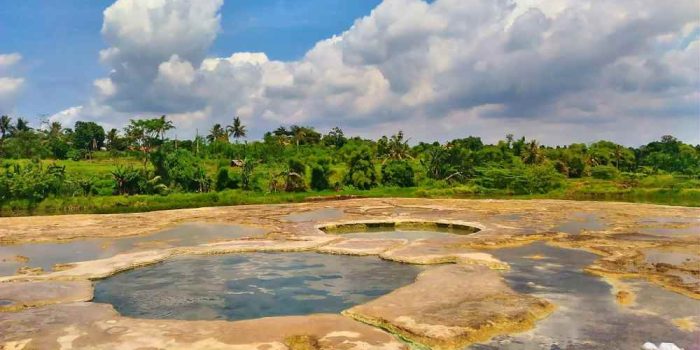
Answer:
[(252, 285)]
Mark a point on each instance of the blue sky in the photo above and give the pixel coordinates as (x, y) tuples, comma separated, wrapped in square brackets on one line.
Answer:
[(60, 40), (560, 71)]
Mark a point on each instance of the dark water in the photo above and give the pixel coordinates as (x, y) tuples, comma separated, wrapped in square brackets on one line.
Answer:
[(587, 315), (246, 286), (45, 255)]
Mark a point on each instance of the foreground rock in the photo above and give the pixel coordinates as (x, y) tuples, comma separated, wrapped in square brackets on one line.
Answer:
[(98, 326), (451, 306), (20, 295)]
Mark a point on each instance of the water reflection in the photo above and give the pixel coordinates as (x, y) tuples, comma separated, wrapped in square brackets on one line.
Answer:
[(587, 316), (246, 286), (45, 255)]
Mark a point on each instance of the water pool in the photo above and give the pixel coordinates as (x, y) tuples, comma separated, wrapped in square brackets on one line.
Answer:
[(251, 285)]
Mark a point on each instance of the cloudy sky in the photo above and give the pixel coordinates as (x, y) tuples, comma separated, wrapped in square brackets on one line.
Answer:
[(556, 70)]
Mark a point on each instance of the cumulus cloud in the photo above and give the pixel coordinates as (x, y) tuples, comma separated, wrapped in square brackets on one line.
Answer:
[(557, 70), (10, 86)]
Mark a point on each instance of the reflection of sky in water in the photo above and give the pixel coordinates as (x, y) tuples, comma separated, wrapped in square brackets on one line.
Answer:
[(587, 316), (669, 226), (581, 221), (252, 285), (45, 255), (313, 215)]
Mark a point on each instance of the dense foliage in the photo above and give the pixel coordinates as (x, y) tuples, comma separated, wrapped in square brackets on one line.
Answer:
[(84, 161)]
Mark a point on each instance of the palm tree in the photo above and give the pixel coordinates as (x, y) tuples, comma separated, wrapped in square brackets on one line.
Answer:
[(533, 153), (617, 153), (237, 130), (5, 125), (55, 130), (22, 125), (217, 133), (299, 134), (163, 126)]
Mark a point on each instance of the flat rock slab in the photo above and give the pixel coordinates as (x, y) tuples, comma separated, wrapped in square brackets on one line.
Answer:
[(20, 295), (361, 246), (98, 326), (451, 306), (436, 251)]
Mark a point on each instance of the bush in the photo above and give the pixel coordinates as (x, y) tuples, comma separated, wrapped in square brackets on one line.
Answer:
[(224, 180), (521, 179), (183, 170), (320, 174), (398, 173), (296, 174), (604, 172), (361, 173)]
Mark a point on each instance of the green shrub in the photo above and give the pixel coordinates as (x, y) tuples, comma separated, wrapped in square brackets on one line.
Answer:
[(604, 172), (225, 181), (320, 175), (398, 173), (295, 175), (361, 172)]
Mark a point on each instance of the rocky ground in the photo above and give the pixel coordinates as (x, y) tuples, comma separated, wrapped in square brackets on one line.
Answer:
[(52, 309)]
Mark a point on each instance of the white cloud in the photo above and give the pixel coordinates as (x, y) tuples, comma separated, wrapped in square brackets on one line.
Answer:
[(560, 70), (10, 86)]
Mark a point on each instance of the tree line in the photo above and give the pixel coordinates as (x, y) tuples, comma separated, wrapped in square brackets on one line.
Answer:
[(300, 158)]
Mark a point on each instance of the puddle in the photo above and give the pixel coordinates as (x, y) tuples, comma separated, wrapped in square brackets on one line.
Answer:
[(4, 302), (579, 222), (314, 215), (45, 255), (670, 226), (587, 316), (397, 234), (252, 285)]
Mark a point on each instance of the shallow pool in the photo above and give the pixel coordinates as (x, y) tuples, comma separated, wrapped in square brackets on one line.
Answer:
[(252, 285), (587, 315), (45, 255)]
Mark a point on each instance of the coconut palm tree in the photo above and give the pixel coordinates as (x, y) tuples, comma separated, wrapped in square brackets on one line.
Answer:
[(237, 130), (55, 130), (162, 126), (217, 133), (5, 125)]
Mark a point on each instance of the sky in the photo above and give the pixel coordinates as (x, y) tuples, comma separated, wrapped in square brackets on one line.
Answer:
[(560, 71)]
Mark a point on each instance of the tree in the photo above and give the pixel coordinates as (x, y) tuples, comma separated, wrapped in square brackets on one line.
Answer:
[(398, 173), (21, 125), (393, 148), (55, 130), (237, 130), (361, 172), (533, 153), (181, 169), (162, 125), (335, 138), (294, 176), (320, 175), (5, 125), (88, 136), (217, 133)]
